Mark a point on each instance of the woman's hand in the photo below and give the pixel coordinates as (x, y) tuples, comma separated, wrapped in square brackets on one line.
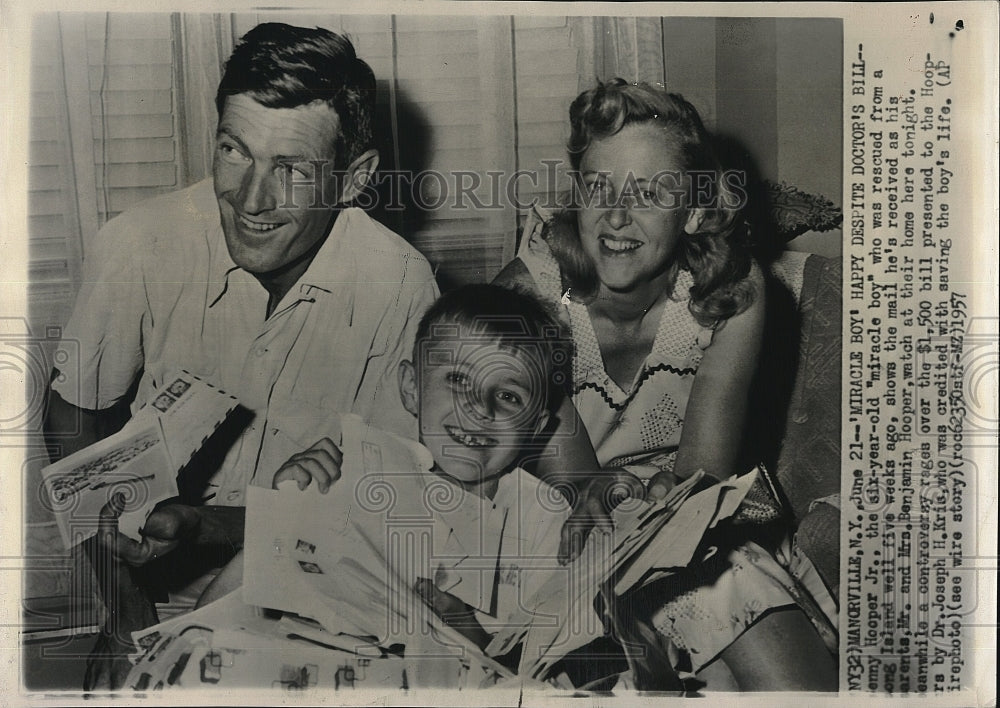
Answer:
[(660, 485), (321, 462), (599, 497)]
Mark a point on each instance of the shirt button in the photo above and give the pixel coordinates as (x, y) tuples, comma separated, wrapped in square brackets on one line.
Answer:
[(260, 351), (233, 496)]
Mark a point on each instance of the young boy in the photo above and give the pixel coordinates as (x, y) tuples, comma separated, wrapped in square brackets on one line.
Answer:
[(485, 378)]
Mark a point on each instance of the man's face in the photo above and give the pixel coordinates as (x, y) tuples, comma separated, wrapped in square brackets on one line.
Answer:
[(257, 150), (478, 406)]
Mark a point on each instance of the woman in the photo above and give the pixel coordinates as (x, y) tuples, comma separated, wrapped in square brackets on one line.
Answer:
[(654, 278)]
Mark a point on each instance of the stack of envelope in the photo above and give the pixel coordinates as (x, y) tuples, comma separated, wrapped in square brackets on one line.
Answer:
[(649, 542), (341, 567)]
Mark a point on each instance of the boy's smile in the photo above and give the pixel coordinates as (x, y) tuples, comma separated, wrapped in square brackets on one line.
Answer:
[(478, 405), (468, 439)]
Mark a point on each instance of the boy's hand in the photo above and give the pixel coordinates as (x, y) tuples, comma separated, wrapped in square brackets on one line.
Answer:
[(321, 462), (455, 613), (593, 509), (165, 528)]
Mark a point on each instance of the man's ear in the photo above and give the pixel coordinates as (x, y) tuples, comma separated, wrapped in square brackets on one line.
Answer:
[(696, 217), (408, 387), (358, 175)]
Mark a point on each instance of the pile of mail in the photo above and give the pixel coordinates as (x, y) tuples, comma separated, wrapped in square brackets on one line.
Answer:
[(328, 594)]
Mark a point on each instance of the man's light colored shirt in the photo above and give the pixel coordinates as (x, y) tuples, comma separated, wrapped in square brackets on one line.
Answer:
[(160, 293)]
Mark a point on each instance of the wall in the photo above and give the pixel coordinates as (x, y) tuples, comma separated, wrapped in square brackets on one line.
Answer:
[(773, 86)]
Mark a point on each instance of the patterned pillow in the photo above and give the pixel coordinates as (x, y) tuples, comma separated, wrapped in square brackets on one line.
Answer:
[(795, 212)]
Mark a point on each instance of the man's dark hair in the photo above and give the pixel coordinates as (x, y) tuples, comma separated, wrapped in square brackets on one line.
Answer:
[(511, 319), (281, 66)]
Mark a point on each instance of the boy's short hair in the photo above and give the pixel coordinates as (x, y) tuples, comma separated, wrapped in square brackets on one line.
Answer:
[(512, 319)]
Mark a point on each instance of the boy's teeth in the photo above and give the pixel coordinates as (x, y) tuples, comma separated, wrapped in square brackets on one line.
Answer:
[(617, 245), (469, 440)]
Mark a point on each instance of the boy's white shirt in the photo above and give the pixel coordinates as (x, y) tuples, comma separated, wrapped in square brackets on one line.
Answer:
[(520, 536), (477, 546)]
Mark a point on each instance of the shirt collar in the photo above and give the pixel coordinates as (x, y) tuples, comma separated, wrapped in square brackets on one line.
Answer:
[(221, 265), (331, 266)]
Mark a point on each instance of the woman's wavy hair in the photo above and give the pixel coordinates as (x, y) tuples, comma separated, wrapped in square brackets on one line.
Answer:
[(718, 256)]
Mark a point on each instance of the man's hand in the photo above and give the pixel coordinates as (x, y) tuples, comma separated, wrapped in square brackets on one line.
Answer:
[(113, 555), (321, 462), (165, 528), (108, 664), (593, 509)]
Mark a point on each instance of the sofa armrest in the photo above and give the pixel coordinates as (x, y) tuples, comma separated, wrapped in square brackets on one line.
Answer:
[(808, 462)]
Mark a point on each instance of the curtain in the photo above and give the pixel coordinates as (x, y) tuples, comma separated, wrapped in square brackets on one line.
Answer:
[(630, 48), (204, 43)]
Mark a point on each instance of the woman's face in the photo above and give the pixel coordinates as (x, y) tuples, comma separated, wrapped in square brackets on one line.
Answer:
[(634, 209)]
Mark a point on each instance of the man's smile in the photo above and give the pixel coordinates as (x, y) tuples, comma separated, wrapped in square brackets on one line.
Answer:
[(256, 225)]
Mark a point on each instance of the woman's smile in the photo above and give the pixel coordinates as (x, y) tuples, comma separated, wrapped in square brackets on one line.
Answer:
[(618, 245), (630, 237)]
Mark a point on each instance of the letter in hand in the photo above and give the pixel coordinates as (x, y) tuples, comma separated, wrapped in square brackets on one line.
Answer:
[(593, 509), (321, 462), (165, 528), (662, 482)]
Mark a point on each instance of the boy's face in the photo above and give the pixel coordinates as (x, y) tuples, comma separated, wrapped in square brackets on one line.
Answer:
[(478, 405)]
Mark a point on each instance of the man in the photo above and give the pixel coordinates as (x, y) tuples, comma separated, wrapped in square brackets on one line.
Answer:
[(264, 282)]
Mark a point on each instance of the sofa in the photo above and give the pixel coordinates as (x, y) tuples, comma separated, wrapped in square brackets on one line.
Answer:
[(806, 458), (801, 376)]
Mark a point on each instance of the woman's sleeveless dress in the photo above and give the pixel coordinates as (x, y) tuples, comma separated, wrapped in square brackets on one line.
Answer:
[(639, 429)]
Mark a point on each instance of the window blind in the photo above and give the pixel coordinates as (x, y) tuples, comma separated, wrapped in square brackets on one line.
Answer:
[(548, 66), (459, 96), (130, 80), (103, 138), (53, 228)]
